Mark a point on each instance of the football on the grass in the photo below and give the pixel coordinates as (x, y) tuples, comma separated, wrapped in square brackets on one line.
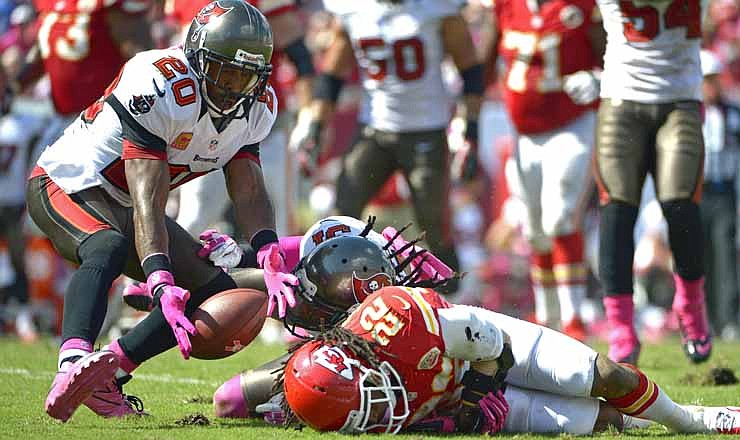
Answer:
[(228, 322)]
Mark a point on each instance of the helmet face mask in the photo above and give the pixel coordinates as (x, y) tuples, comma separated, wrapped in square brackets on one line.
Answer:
[(229, 46)]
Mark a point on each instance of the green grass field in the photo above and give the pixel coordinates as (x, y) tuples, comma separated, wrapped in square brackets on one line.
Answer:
[(173, 389)]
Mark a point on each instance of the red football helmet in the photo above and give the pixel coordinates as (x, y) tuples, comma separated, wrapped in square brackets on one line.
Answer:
[(329, 389)]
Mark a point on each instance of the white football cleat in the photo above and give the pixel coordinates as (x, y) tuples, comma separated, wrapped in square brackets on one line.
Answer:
[(717, 419)]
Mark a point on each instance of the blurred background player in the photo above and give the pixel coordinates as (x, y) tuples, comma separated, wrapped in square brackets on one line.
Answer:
[(650, 122), (18, 133), (399, 47), (552, 50), (81, 46), (719, 200), (203, 201)]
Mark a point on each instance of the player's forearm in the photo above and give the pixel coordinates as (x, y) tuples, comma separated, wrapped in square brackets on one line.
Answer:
[(149, 187), (30, 72), (252, 205), (254, 213)]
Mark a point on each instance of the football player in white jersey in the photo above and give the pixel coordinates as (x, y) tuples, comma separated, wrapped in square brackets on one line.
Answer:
[(650, 121), (99, 193), (399, 46), (203, 201)]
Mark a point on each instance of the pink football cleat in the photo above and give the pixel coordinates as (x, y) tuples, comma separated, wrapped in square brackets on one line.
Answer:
[(72, 387), (691, 310), (109, 400)]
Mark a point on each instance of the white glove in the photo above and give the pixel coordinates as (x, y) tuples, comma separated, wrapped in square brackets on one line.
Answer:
[(221, 249), (582, 87)]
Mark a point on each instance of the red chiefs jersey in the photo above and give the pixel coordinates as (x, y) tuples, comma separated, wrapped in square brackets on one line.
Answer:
[(404, 323), (183, 11), (78, 50), (540, 47)]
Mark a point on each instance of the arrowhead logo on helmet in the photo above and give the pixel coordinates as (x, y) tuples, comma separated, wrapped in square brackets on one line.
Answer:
[(362, 287), (334, 359)]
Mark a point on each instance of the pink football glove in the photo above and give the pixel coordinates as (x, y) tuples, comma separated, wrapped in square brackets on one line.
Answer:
[(431, 266), (138, 297), (277, 279), (495, 409), (220, 248), (172, 301)]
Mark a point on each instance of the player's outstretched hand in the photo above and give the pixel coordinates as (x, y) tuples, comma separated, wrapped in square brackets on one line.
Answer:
[(277, 279), (221, 249), (495, 408), (172, 300)]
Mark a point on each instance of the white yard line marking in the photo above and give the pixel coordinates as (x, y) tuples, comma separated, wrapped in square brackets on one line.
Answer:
[(166, 378)]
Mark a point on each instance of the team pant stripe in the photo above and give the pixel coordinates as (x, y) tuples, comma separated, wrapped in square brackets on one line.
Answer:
[(640, 398), (69, 214)]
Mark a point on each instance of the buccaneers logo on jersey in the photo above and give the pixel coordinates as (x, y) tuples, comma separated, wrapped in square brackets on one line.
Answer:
[(362, 287), (205, 15)]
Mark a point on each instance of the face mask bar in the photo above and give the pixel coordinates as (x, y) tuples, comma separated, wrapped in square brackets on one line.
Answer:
[(378, 387), (206, 60)]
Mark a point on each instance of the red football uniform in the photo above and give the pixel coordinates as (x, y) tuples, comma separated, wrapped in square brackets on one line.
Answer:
[(531, 43), (78, 50), (183, 11), (405, 324)]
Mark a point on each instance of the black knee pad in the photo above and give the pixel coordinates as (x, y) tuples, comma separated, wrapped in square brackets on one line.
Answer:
[(685, 237), (219, 284), (104, 249), (617, 246)]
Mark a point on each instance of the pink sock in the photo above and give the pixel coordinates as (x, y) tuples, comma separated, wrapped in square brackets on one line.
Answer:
[(126, 364), (229, 400), (73, 347), (688, 292), (688, 302), (292, 248), (620, 310)]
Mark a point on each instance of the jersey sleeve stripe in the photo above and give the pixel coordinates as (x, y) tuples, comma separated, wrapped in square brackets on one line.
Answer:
[(430, 320), (133, 151), (251, 152), (134, 131)]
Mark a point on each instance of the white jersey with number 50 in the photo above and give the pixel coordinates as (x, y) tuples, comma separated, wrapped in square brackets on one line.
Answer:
[(652, 53), (399, 50)]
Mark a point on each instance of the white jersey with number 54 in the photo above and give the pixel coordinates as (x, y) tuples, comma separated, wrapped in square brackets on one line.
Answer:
[(652, 54), (399, 50)]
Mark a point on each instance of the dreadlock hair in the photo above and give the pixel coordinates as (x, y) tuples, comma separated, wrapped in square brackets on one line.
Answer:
[(336, 337), (416, 255)]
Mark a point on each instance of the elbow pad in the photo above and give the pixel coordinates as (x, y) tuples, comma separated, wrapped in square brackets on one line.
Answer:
[(470, 333)]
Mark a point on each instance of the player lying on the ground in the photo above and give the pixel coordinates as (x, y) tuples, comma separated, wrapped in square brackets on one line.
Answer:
[(554, 382)]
